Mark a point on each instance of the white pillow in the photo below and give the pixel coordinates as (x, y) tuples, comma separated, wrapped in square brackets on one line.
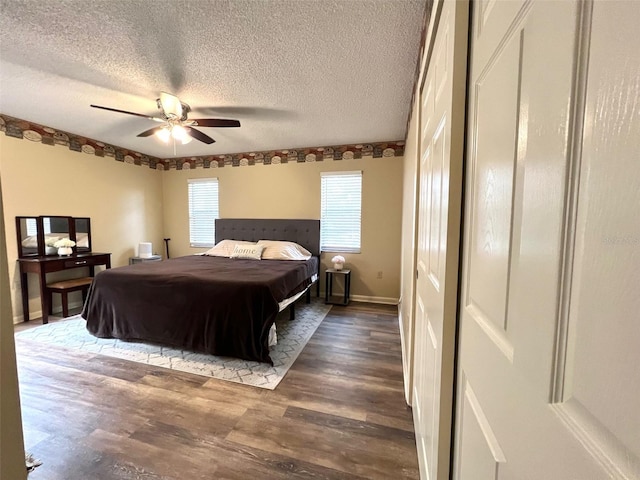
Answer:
[(30, 242), (279, 250), (251, 252), (224, 248), (51, 238)]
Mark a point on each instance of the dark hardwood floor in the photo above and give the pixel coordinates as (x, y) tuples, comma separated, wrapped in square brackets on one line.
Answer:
[(338, 414)]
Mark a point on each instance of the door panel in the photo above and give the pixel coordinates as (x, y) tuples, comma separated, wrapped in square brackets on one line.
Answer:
[(437, 168), (406, 307), (496, 98), (442, 108), (425, 403), (480, 452), (601, 380), (548, 348)]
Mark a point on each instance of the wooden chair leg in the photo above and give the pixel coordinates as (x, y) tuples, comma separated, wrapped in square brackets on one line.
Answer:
[(65, 305)]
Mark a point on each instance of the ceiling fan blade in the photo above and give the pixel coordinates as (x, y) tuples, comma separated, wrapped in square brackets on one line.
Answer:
[(198, 135), (151, 131), (217, 122), (128, 113), (170, 104)]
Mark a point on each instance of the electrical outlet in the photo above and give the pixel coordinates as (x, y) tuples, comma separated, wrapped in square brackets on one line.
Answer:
[(380, 275)]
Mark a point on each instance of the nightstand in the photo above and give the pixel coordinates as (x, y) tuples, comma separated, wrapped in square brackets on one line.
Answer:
[(330, 272), (152, 258)]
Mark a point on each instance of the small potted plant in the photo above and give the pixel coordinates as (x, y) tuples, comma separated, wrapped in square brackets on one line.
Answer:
[(338, 262), (64, 246)]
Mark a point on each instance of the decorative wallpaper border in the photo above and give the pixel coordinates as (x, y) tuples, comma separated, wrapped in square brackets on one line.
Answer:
[(14, 127), (296, 155), (22, 129)]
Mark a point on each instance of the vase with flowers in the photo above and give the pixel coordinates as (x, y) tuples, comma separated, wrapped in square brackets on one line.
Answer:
[(65, 246), (338, 262)]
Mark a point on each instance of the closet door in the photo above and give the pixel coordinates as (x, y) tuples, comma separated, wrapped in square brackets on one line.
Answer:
[(442, 100), (548, 382)]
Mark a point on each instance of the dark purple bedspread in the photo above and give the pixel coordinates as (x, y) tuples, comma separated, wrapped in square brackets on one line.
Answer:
[(215, 305)]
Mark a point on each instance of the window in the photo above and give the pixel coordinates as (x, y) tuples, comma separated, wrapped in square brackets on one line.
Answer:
[(340, 211), (203, 210), (32, 228)]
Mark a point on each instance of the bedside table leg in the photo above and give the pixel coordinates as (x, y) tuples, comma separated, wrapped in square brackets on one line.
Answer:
[(326, 286), (347, 288)]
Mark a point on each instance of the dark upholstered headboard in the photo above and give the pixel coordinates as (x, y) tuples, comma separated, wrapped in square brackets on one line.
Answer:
[(303, 232)]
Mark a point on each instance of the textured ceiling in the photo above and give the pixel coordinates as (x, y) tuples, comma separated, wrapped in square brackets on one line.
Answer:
[(296, 73)]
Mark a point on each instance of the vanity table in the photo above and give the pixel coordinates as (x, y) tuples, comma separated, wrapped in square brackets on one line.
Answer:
[(37, 254), (48, 264)]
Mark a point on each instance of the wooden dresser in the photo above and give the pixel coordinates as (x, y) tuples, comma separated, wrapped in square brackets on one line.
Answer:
[(42, 265)]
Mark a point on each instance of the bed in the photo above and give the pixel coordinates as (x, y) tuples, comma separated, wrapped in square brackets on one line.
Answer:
[(211, 304)]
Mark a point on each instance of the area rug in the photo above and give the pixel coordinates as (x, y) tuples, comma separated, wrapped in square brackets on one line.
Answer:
[(292, 337)]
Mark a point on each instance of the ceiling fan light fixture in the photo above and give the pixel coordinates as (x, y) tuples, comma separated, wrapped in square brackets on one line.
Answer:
[(164, 134), (171, 105), (179, 133), (176, 125)]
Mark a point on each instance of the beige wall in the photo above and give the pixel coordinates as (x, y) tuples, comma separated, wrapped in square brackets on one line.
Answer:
[(292, 190), (129, 204), (12, 464), (124, 202)]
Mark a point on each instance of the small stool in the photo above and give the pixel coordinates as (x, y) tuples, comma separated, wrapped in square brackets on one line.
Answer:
[(63, 287)]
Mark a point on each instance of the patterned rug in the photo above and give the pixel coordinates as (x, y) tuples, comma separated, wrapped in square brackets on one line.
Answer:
[(292, 337)]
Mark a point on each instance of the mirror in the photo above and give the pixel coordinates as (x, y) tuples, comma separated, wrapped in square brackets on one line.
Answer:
[(83, 234), (28, 241), (37, 235), (55, 228)]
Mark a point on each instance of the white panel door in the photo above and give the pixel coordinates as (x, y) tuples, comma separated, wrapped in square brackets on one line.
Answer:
[(408, 255), (439, 211), (548, 383)]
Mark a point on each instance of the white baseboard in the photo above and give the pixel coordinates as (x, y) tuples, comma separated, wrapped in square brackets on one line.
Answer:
[(38, 313), (368, 299), (383, 300)]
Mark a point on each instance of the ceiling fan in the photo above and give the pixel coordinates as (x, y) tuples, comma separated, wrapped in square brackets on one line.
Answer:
[(175, 121)]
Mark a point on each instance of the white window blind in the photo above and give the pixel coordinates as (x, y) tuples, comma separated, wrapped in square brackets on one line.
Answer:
[(32, 228), (203, 210), (341, 211)]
